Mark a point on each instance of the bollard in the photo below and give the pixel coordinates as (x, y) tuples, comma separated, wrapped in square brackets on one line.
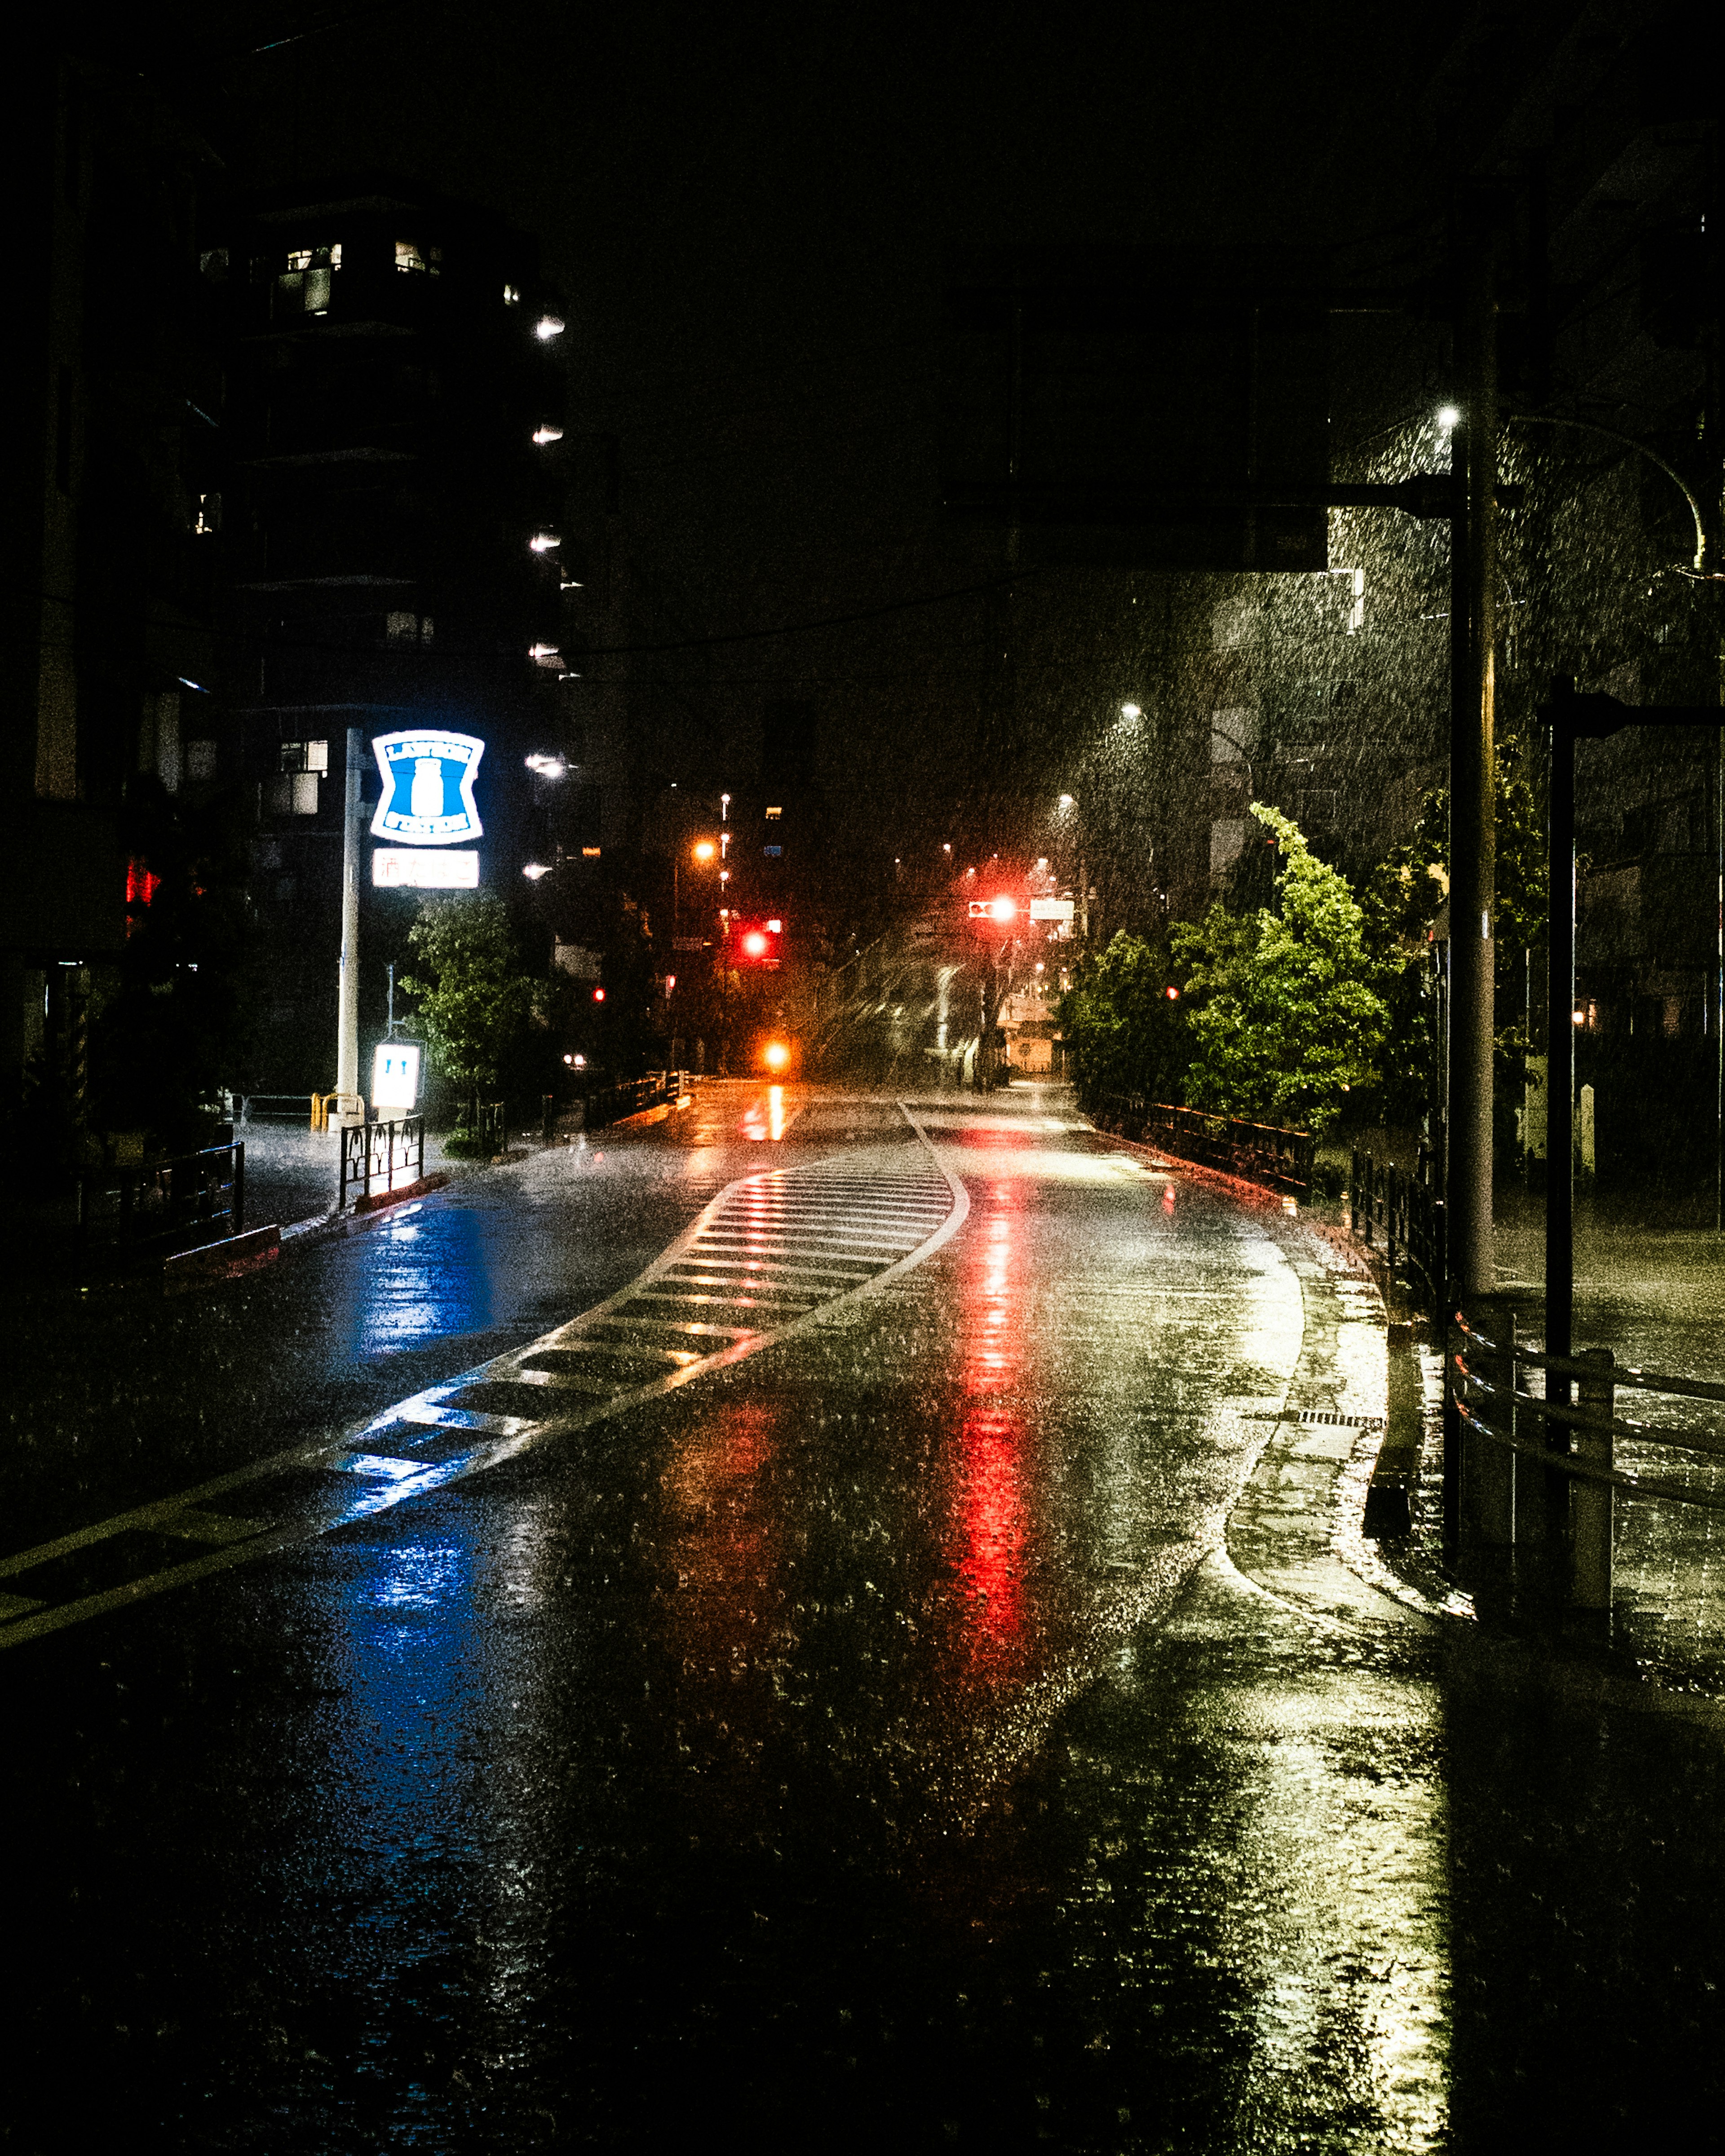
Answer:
[(1591, 1506)]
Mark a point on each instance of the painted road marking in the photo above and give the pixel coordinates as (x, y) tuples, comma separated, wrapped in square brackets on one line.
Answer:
[(612, 1357)]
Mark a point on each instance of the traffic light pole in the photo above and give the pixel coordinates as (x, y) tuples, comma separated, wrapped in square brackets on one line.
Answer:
[(1473, 840)]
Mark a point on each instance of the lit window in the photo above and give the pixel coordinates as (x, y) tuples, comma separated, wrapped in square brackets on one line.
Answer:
[(303, 285), (773, 815), (207, 519), (512, 295), (414, 261), (403, 627)]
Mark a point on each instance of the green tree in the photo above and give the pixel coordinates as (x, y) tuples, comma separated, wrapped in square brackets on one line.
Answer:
[(1401, 904), (1283, 1005), (474, 1001), (1122, 1031)]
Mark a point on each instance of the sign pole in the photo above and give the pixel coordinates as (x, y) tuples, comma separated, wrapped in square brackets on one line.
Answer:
[(347, 996)]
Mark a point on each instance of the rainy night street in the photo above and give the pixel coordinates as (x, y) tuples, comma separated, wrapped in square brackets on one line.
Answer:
[(926, 1707)]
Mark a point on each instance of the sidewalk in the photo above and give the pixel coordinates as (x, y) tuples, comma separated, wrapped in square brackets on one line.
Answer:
[(1654, 1296)]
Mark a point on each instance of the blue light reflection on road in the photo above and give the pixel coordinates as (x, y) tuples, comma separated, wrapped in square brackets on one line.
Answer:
[(427, 1276)]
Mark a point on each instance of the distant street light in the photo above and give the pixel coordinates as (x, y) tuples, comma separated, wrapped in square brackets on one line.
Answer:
[(1068, 801), (534, 871), (1449, 418), (1131, 712), (705, 850)]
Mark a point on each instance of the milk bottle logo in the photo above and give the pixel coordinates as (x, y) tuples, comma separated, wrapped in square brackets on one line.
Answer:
[(427, 787)]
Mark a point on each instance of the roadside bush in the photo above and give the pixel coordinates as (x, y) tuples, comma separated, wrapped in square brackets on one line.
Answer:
[(1284, 1012), (1123, 1032)]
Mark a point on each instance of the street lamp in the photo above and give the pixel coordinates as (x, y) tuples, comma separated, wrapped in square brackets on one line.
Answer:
[(1131, 712)]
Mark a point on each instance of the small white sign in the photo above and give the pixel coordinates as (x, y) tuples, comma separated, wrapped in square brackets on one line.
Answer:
[(1051, 909), (427, 787), (394, 868), (395, 1074)]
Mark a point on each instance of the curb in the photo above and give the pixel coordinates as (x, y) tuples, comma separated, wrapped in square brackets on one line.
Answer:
[(223, 1261), (380, 1199)]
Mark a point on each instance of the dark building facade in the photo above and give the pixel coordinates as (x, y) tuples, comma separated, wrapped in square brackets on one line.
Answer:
[(108, 588), (391, 535)]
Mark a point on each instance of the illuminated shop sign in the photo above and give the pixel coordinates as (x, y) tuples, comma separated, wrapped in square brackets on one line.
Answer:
[(395, 1074), (427, 787), (393, 868)]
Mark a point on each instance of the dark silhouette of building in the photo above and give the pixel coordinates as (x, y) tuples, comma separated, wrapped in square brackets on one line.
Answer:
[(108, 583), (391, 533)]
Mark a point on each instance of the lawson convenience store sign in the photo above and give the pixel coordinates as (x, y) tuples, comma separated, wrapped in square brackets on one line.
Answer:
[(426, 801)]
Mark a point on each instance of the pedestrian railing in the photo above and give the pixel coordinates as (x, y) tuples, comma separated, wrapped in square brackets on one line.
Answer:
[(1264, 1153), (610, 1104), (378, 1156), (126, 1212), (272, 1108), (1506, 1503), (1390, 1208)]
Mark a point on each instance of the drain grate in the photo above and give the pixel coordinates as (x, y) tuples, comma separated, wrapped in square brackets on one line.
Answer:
[(1325, 1415)]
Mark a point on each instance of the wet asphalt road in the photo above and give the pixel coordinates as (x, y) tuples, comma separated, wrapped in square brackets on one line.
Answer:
[(869, 1743)]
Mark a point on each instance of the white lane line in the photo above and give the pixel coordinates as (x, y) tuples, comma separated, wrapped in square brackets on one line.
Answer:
[(385, 1479)]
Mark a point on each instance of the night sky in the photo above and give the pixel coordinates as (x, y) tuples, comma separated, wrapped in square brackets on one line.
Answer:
[(746, 209)]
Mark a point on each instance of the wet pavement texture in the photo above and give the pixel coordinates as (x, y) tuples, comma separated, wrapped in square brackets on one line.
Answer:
[(949, 1723)]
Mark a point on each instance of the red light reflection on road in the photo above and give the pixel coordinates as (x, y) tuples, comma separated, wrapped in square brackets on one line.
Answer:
[(724, 1539), (989, 1526)]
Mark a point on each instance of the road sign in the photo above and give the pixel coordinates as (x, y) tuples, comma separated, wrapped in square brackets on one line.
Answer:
[(1145, 407)]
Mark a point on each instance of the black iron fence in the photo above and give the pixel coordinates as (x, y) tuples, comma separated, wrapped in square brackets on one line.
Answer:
[(378, 1156), (1264, 1153), (125, 1213), (1398, 1211), (1516, 1443)]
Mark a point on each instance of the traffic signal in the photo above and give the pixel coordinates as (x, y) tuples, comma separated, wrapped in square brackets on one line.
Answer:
[(1000, 911), (756, 942)]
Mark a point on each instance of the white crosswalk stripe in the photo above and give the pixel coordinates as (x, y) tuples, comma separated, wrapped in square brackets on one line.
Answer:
[(769, 1255)]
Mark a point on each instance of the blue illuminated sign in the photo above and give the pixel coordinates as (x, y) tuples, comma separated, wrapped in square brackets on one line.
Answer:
[(427, 787)]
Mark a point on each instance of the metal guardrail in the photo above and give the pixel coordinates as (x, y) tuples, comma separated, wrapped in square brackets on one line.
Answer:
[(377, 1153), (1264, 1153), (1386, 1202), (610, 1104), (272, 1107), (137, 1212), (1575, 1440)]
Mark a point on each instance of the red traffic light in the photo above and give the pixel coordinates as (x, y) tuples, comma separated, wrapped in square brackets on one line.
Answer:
[(598, 995), (993, 915), (756, 941), (1173, 994)]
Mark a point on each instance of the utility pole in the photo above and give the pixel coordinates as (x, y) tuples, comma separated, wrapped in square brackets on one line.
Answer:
[(348, 988), (1473, 839)]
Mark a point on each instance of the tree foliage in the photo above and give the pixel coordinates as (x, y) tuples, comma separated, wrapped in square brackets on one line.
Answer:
[(1401, 904), (474, 1001), (1283, 1002), (1122, 1033)]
